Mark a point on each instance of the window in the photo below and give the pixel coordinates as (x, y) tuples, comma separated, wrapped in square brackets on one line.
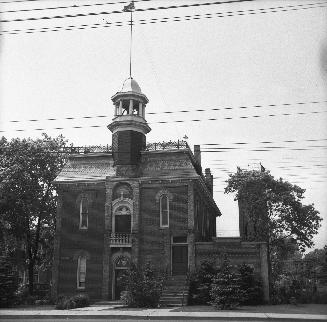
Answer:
[(164, 211), (81, 272), (122, 191), (83, 214)]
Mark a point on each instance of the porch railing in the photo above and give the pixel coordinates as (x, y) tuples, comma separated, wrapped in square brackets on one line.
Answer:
[(119, 239)]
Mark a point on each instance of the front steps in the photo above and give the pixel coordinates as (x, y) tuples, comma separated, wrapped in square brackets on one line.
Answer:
[(175, 291)]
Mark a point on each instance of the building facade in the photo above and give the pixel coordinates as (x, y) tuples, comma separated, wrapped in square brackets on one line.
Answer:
[(137, 202)]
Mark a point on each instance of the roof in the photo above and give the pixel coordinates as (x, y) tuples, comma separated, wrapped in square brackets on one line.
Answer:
[(131, 85), (86, 168)]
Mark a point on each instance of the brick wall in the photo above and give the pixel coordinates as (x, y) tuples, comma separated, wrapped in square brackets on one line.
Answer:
[(73, 241), (127, 146), (155, 241)]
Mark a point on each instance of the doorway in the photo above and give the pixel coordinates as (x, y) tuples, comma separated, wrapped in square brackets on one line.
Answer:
[(179, 259)]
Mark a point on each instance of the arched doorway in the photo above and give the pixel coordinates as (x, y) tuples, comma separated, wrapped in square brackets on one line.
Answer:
[(121, 264)]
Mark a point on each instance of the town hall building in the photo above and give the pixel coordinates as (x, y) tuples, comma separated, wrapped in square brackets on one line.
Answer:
[(138, 202)]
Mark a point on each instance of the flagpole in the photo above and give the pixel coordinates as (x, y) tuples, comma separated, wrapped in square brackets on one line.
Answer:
[(130, 48)]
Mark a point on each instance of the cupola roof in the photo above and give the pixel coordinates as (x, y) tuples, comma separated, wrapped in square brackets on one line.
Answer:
[(131, 85), (130, 89)]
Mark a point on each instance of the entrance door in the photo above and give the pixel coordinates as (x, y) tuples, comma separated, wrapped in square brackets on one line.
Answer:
[(118, 282), (179, 259)]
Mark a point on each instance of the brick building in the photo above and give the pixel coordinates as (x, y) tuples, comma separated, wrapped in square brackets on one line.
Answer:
[(137, 202)]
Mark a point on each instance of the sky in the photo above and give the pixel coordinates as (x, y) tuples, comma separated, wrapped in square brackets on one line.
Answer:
[(257, 69)]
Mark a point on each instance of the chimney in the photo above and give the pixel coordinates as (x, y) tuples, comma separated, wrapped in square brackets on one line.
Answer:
[(209, 180), (197, 154)]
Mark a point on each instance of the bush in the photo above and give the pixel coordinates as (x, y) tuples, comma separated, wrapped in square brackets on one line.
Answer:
[(66, 303), (81, 300), (143, 287), (8, 282), (250, 285), (200, 283), (226, 292)]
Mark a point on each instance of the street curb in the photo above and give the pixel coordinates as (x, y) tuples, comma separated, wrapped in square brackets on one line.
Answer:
[(163, 317)]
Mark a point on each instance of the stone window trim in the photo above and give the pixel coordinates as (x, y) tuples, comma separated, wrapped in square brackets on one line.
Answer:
[(163, 198)]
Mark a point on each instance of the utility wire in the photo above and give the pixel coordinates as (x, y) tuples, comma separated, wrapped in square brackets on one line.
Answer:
[(13, 1), (72, 6), (78, 15), (160, 20), (180, 121), (178, 111)]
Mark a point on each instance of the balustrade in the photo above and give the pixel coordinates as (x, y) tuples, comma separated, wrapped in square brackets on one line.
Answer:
[(120, 239)]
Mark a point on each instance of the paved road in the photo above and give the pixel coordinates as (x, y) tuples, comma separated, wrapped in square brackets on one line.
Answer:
[(76, 319)]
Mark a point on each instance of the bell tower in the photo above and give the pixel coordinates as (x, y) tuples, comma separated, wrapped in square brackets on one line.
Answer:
[(129, 126)]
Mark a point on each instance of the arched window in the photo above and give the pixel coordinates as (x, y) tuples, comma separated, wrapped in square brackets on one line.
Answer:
[(83, 213), (81, 272), (164, 211), (122, 191)]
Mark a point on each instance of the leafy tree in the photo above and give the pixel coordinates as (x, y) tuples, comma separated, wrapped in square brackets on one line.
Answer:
[(275, 207), (277, 213), (27, 195), (318, 256), (226, 292)]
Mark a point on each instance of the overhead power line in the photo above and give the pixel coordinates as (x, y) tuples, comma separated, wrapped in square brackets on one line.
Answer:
[(239, 117), (178, 111), (164, 19), (78, 15), (179, 121), (13, 1), (72, 6)]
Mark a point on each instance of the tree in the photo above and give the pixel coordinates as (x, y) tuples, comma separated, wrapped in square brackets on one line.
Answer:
[(27, 195), (277, 215), (275, 207)]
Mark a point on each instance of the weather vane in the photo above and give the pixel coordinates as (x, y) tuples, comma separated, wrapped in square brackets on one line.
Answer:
[(130, 8)]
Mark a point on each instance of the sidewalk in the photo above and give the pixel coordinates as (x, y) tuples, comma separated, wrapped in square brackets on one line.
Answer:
[(186, 313)]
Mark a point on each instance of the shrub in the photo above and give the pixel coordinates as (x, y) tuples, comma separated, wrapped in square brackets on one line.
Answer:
[(61, 300), (143, 287), (250, 285), (8, 282), (226, 292), (200, 283), (65, 303), (81, 300)]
